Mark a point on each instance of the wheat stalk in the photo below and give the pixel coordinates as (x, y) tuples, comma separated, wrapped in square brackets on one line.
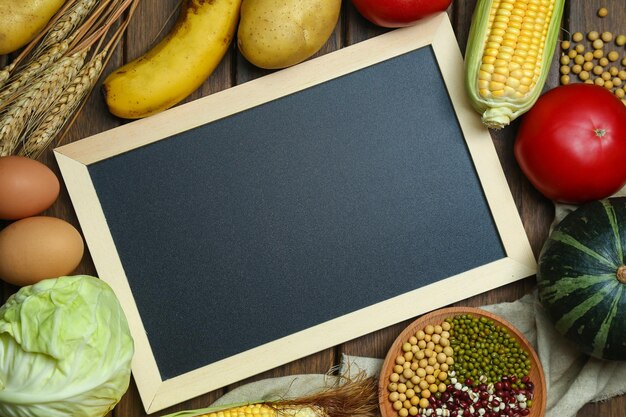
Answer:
[(46, 85), (35, 99), (32, 69), (6, 73), (26, 51), (67, 23), (57, 41), (59, 114), (58, 83)]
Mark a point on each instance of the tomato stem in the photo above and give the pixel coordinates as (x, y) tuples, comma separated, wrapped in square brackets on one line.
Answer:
[(600, 132)]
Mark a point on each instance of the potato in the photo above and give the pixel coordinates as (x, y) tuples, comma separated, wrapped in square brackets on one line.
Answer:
[(280, 33), (22, 20)]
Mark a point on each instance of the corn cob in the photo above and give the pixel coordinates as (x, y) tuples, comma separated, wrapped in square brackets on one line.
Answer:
[(508, 57), (356, 397), (265, 410)]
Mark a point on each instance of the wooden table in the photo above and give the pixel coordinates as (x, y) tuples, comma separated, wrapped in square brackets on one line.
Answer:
[(535, 210)]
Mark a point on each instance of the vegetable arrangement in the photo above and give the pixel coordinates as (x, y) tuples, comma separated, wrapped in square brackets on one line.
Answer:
[(571, 145)]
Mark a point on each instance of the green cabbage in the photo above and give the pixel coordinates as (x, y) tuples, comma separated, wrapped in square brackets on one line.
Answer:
[(65, 350)]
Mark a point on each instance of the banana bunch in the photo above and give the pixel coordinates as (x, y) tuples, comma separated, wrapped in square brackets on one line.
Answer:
[(177, 65)]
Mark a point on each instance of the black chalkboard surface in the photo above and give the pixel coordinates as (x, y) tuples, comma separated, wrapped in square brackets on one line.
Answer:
[(297, 211), (327, 211)]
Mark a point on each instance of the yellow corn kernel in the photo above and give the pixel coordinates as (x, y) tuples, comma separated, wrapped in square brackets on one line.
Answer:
[(503, 70), (263, 410), (496, 86), (250, 410), (499, 78), (513, 83)]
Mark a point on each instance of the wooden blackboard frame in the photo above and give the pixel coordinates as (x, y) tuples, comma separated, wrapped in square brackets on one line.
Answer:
[(435, 31)]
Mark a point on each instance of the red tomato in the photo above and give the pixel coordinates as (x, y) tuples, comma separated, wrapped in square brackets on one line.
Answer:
[(398, 13), (572, 144)]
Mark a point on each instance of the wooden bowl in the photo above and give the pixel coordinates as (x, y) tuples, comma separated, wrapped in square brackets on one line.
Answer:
[(536, 371)]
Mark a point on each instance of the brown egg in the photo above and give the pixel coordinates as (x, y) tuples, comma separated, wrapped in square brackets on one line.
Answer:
[(37, 248), (27, 187)]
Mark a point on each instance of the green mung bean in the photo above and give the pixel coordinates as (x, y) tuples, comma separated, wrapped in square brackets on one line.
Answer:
[(484, 349)]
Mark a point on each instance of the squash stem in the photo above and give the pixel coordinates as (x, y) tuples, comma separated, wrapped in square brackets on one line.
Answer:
[(621, 274)]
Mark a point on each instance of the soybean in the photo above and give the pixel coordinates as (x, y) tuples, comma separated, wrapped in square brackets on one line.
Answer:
[(606, 36), (421, 368), (613, 56)]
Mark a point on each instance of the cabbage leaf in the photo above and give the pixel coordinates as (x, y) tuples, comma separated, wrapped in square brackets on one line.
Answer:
[(65, 350)]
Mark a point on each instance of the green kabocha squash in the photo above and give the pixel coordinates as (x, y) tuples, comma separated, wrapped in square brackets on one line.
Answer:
[(582, 278)]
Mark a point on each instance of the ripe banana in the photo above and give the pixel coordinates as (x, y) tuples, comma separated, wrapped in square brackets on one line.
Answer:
[(177, 65)]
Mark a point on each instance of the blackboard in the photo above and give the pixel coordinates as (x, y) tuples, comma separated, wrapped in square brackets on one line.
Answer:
[(270, 224)]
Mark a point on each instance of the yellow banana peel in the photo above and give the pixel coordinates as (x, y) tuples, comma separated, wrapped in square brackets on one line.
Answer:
[(177, 65)]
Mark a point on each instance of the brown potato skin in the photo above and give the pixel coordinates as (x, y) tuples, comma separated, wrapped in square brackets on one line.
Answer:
[(22, 20), (279, 33)]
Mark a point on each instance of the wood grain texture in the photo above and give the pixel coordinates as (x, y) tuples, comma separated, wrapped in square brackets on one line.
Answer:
[(535, 210)]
